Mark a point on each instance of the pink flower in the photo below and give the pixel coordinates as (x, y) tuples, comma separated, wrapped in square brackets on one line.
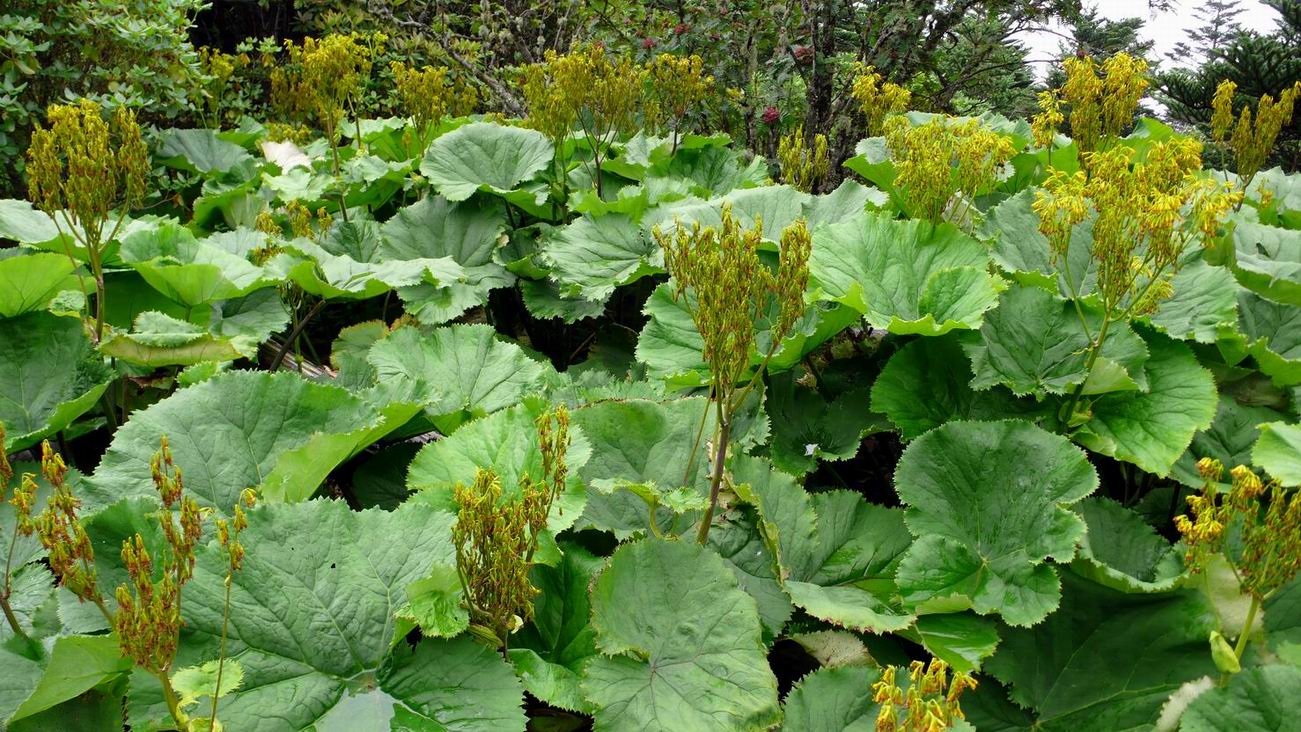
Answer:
[(803, 54), (681, 28), (648, 43), (771, 116)]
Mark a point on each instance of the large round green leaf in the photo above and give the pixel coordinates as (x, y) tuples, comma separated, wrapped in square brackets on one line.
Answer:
[(838, 553), (1106, 660), (484, 156), (1152, 429), (904, 276), (592, 256), (458, 372), (987, 518), (28, 282), (682, 644), (1268, 260), (927, 383), (238, 430), (311, 623), (187, 270), (49, 376)]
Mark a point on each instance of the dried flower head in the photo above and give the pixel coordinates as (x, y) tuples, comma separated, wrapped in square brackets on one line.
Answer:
[(69, 551), (148, 620), (803, 167)]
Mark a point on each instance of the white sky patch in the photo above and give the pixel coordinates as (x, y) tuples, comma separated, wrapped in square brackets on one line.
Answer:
[(1163, 29)]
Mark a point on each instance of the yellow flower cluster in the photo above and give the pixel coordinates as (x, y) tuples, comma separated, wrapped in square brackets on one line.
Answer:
[(1045, 124), (801, 167), (1270, 519), (930, 703), (68, 549), (677, 85), (424, 92), (589, 87), (1103, 105), (941, 158), (80, 167), (495, 540), (1140, 230), (325, 76), (428, 94), (877, 98), (148, 620), (1251, 143)]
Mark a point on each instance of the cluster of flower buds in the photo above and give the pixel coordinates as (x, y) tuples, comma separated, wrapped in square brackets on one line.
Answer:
[(1044, 125), (588, 86), (1266, 516), (148, 620), (1251, 143), (930, 703), (678, 84), (228, 531), (941, 158), (877, 98), (68, 548), (1155, 208), (1103, 100), (802, 167), (495, 540)]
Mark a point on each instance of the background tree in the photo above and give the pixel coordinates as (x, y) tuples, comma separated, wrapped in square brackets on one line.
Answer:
[(1259, 63)]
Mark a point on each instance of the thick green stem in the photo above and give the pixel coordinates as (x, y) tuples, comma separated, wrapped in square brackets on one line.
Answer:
[(9, 615), (1096, 349), (173, 702), (221, 653), (1241, 646), (724, 433)]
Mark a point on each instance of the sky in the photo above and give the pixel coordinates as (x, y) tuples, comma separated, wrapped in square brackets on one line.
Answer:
[(1164, 29)]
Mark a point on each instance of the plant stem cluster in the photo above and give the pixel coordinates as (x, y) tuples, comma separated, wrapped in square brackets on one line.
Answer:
[(718, 273)]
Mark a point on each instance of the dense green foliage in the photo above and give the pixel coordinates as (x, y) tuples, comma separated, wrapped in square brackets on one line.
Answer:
[(380, 413)]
